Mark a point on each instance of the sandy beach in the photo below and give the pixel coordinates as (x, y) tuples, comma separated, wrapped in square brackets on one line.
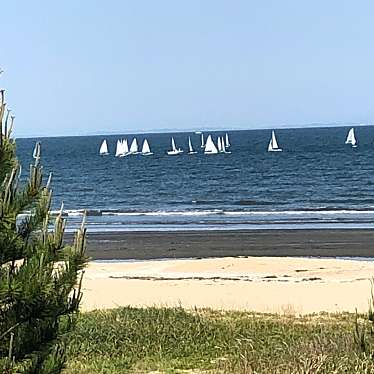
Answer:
[(259, 270), (263, 284)]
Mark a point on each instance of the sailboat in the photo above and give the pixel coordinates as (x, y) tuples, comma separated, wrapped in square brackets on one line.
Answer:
[(174, 151), (190, 149), (210, 148), (202, 140), (273, 145), (104, 148), (227, 143), (351, 139), (119, 148), (124, 148), (223, 146), (219, 145), (146, 150), (134, 147)]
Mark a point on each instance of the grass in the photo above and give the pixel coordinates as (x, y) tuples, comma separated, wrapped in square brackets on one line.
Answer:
[(173, 340)]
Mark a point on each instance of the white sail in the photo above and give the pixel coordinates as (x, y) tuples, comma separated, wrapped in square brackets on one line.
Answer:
[(274, 140), (173, 147), (119, 148), (273, 145), (219, 145), (202, 141), (36, 152), (351, 138), (227, 141), (104, 148), (134, 146), (210, 147), (125, 147), (146, 150), (190, 148), (190, 145), (224, 146)]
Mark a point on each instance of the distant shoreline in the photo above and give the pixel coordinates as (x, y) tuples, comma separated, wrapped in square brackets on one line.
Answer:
[(202, 129), (206, 244)]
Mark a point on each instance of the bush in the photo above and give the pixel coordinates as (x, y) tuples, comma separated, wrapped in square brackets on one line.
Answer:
[(39, 296)]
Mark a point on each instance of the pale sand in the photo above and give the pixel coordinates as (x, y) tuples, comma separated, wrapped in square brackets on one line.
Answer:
[(261, 284)]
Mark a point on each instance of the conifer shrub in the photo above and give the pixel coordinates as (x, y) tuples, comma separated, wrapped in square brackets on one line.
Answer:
[(40, 276)]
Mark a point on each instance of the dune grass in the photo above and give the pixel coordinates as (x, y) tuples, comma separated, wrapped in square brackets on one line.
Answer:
[(173, 340)]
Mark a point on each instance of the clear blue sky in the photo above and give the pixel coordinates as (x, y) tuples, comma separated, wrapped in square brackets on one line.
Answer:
[(81, 67)]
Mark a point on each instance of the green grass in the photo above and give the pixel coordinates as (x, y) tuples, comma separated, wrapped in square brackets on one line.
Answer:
[(165, 340)]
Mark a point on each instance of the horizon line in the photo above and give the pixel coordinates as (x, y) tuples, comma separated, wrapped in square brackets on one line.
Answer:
[(201, 129)]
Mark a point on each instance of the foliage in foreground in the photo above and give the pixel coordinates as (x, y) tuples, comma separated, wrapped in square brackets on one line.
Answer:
[(38, 273), (173, 340)]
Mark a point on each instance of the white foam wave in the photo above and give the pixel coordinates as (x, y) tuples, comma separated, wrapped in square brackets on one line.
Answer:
[(247, 213), (212, 212), (300, 212), (74, 213), (166, 213)]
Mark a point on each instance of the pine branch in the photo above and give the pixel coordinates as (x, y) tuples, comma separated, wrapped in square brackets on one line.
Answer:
[(40, 277)]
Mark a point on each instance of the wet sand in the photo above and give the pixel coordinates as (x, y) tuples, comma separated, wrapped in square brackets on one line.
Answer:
[(205, 244)]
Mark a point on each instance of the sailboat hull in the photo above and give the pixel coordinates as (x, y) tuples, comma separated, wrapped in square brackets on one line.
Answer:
[(275, 150), (192, 153), (147, 154), (353, 145), (174, 153)]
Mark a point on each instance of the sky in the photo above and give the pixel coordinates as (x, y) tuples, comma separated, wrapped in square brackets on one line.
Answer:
[(92, 67)]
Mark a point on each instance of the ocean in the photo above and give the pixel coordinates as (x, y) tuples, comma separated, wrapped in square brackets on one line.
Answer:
[(316, 182)]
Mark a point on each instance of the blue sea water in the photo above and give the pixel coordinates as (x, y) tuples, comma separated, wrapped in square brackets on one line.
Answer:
[(317, 181)]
